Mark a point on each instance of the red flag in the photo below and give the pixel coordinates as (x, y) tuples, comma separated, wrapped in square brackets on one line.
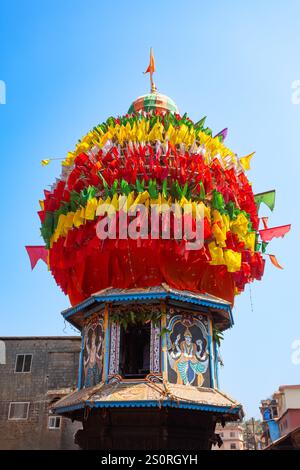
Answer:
[(268, 234), (36, 253), (275, 262), (265, 222)]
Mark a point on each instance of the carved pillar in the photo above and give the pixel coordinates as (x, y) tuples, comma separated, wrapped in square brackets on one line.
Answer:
[(114, 358), (155, 349)]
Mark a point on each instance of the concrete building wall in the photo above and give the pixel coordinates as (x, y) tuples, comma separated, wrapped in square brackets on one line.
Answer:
[(54, 366), (232, 437), (292, 398), (289, 421), (288, 397), (286, 401)]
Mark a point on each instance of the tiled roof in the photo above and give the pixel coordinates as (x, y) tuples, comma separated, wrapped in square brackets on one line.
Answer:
[(160, 289), (164, 291), (146, 393)]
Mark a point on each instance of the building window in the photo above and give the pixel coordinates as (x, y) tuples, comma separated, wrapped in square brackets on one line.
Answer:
[(232, 434), (18, 410), (23, 363), (135, 351), (232, 446), (54, 422)]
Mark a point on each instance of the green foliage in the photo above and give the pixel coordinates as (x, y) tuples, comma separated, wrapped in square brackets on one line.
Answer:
[(133, 318), (164, 331), (217, 336)]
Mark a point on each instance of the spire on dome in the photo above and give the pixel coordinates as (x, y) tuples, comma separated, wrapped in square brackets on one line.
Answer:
[(153, 100), (151, 69)]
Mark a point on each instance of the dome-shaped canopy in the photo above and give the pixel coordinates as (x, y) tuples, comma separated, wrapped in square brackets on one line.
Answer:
[(153, 101)]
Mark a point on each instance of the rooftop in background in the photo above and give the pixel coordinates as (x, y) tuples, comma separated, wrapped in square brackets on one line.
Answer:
[(290, 441), (7, 338), (281, 417), (288, 387)]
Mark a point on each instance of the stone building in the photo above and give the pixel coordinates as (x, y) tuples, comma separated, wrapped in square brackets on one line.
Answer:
[(34, 373)]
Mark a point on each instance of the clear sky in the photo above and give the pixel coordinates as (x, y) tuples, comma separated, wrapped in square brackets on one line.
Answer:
[(68, 65)]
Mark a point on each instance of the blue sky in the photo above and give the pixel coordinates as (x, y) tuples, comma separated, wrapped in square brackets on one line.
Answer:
[(68, 65)]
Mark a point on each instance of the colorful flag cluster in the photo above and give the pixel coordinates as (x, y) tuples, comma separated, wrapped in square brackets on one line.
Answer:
[(154, 157)]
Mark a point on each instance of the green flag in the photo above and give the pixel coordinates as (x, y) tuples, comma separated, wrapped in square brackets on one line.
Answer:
[(200, 124), (267, 198), (202, 191), (218, 201)]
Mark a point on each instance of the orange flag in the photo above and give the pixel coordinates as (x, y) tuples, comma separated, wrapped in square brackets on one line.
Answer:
[(275, 262), (151, 67)]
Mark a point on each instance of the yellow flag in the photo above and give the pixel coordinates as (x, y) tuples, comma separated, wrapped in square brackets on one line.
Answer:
[(216, 254), (78, 220), (233, 260), (91, 208), (245, 161), (45, 162), (219, 234)]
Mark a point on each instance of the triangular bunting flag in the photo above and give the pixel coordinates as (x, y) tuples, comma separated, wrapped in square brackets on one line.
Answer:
[(267, 198), (275, 262), (270, 233), (36, 253), (245, 161)]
